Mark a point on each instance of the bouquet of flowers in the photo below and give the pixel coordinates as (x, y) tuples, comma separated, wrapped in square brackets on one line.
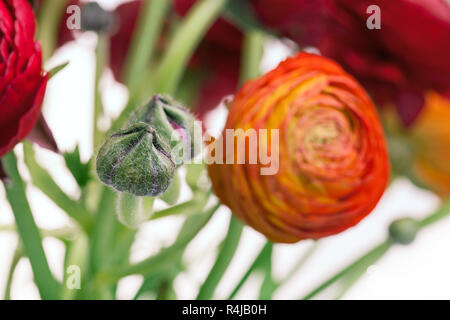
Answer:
[(305, 151)]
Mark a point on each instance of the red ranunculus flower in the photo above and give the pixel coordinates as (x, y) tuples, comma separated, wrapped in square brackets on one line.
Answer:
[(22, 81), (398, 63)]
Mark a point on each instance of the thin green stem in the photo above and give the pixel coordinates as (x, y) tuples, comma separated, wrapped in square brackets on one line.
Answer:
[(76, 255), (226, 254), (101, 63), (49, 19), (18, 254), (185, 40), (62, 234), (8, 228), (355, 270), (181, 46), (42, 180), (301, 262), (150, 25), (263, 255), (442, 213), (366, 260), (251, 56), (28, 231), (167, 256), (101, 237), (186, 208), (251, 59)]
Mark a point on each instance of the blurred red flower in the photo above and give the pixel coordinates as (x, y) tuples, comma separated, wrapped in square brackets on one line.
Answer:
[(22, 80), (398, 63)]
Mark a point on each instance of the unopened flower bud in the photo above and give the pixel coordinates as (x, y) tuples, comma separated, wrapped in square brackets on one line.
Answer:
[(95, 18), (174, 123), (403, 231), (136, 160)]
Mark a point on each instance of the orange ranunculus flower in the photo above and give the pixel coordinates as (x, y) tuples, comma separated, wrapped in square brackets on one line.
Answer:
[(431, 136), (333, 163)]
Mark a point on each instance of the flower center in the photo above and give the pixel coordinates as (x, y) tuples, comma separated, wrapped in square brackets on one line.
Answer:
[(324, 141)]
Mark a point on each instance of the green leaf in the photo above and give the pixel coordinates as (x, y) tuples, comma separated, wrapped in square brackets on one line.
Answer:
[(80, 171), (54, 71), (29, 234)]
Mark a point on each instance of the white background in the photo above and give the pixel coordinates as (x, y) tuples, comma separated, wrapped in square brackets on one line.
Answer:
[(418, 271)]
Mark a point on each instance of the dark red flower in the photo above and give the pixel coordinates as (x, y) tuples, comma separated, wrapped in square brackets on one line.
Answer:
[(398, 63), (22, 81)]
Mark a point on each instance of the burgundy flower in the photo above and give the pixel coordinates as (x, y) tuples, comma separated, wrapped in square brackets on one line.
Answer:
[(398, 63), (22, 81)]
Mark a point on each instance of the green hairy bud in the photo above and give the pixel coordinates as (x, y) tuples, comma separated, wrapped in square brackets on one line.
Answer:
[(136, 160), (142, 158), (174, 123)]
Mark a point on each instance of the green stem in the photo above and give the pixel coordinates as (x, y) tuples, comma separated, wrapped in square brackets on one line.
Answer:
[(75, 256), (226, 253), (18, 254), (251, 59), (101, 63), (181, 47), (355, 270), (101, 237), (269, 285), (49, 19), (301, 262), (251, 56), (42, 180), (264, 254), (443, 212), (366, 260), (150, 24), (167, 256), (184, 42), (186, 208), (32, 242), (8, 229)]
